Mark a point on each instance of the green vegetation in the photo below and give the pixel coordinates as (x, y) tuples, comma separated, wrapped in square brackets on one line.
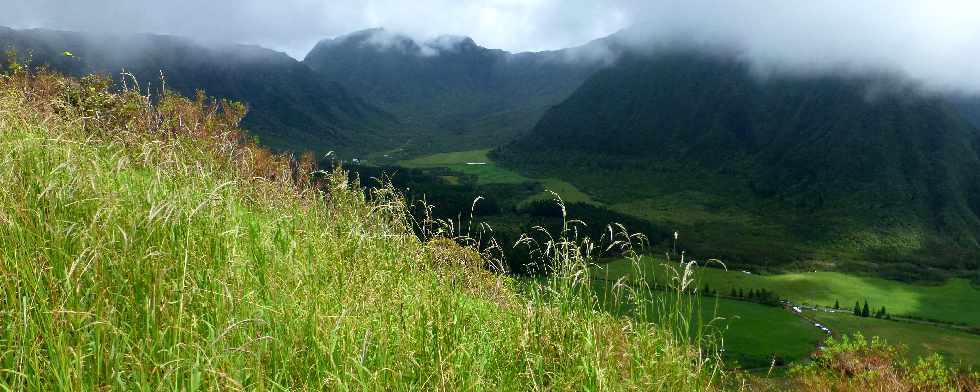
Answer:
[(755, 335), (922, 340), (145, 247), (500, 211), (944, 302), (567, 192), (859, 364), (786, 172), (486, 173), (948, 302), (146, 242), (466, 97), (290, 108), (794, 338)]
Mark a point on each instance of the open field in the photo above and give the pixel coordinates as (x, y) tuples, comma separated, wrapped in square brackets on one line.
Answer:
[(819, 289), (753, 334), (946, 302), (487, 172), (921, 340), (568, 192)]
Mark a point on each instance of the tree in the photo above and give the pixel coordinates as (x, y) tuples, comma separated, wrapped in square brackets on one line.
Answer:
[(836, 304), (741, 294), (866, 311), (857, 308), (734, 294), (881, 313)]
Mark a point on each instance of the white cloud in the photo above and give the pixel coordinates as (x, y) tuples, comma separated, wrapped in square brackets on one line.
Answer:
[(937, 41)]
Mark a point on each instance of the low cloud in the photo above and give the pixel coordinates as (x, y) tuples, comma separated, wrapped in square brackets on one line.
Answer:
[(935, 42)]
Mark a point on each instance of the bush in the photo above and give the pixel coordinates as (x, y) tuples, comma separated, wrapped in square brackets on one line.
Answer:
[(858, 364)]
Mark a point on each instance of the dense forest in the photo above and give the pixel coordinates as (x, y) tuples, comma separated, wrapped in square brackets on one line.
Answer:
[(825, 157)]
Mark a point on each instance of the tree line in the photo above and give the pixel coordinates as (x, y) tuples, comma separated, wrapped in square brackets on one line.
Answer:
[(865, 311)]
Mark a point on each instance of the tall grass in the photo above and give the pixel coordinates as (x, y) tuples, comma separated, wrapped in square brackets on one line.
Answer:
[(145, 245)]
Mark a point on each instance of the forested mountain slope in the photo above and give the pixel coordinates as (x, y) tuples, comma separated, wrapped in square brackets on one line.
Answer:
[(455, 93), (289, 106), (861, 162)]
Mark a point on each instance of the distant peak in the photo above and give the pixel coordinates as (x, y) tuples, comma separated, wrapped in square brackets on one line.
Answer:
[(383, 40), (452, 43), (361, 34), (377, 38)]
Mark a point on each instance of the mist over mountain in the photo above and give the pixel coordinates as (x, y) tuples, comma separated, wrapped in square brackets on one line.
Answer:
[(969, 108), (867, 156), (289, 106), (450, 89)]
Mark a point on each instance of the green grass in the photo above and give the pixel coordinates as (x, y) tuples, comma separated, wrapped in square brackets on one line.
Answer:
[(686, 208), (947, 302), (822, 288), (950, 301), (958, 348), (491, 173), (568, 192), (144, 249), (752, 334)]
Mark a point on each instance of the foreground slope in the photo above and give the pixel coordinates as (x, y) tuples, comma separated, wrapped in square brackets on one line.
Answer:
[(290, 108), (143, 246), (781, 168)]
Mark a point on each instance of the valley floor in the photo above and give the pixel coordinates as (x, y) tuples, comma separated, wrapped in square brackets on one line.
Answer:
[(950, 305)]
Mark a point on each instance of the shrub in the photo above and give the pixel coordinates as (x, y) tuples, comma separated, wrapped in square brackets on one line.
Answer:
[(859, 364)]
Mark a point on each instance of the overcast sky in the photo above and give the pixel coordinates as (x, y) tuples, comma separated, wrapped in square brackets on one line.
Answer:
[(936, 41)]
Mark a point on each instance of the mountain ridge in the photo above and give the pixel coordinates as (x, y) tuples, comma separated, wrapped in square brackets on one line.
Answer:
[(450, 87), (290, 108)]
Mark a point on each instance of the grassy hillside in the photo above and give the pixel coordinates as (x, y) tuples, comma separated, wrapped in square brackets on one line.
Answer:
[(835, 171), (144, 246)]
